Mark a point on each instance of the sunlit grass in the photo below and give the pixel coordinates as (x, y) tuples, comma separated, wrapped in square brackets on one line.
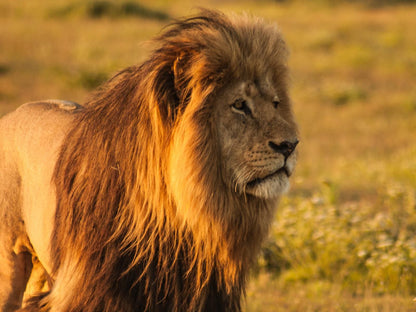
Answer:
[(344, 237)]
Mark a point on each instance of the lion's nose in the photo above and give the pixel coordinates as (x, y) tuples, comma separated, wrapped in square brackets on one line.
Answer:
[(285, 148)]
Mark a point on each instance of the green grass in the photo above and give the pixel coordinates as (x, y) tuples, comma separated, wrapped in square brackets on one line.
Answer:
[(344, 238)]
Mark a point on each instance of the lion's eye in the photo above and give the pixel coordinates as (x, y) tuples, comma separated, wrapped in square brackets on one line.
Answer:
[(240, 106)]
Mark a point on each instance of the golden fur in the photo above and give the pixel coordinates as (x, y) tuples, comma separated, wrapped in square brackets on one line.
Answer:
[(167, 179)]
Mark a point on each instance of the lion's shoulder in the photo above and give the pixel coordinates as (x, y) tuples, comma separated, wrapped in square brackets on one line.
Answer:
[(37, 126), (39, 119)]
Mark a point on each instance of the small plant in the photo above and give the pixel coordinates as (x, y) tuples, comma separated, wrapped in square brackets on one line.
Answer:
[(4, 69), (344, 93), (90, 79)]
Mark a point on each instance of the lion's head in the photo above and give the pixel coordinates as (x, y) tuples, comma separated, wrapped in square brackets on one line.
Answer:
[(234, 133)]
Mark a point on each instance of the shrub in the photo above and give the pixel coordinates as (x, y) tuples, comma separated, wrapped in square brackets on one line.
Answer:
[(107, 8), (358, 246)]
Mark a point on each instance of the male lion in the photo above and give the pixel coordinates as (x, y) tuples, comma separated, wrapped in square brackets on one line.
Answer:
[(157, 193)]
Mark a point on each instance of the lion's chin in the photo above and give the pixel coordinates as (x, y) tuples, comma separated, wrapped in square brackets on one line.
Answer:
[(271, 186)]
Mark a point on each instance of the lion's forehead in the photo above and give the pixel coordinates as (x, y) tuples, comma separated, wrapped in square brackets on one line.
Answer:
[(253, 88)]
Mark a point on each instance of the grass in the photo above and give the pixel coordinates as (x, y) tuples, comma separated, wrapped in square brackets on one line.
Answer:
[(344, 238)]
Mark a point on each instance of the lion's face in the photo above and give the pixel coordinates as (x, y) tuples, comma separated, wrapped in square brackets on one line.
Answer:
[(257, 137)]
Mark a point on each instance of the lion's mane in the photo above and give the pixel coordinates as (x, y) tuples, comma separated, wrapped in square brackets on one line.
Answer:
[(144, 219)]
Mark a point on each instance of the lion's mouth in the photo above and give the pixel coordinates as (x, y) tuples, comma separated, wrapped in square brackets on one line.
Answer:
[(270, 176)]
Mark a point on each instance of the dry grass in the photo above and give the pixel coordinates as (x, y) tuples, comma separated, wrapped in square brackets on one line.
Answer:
[(268, 295), (353, 70)]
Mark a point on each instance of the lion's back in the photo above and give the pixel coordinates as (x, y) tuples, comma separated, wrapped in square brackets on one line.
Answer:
[(30, 140)]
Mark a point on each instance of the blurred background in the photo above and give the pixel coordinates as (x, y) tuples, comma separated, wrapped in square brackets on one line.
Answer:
[(344, 237)]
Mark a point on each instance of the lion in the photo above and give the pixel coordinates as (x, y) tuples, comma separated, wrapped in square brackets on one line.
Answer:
[(157, 193)]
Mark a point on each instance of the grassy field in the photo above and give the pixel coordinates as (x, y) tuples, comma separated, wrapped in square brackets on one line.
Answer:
[(344, 238)]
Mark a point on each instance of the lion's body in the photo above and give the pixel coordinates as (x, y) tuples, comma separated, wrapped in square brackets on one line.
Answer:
[(156, 194), (30, 139)]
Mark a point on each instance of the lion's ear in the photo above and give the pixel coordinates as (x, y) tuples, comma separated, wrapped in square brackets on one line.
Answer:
[(172, 84), (181, 76), (177, 69)]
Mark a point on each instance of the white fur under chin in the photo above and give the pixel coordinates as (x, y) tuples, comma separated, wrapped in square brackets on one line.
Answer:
[(270, 188)]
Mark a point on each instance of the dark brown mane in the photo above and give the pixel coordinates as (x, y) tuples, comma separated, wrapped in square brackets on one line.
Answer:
[(130, 237)]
